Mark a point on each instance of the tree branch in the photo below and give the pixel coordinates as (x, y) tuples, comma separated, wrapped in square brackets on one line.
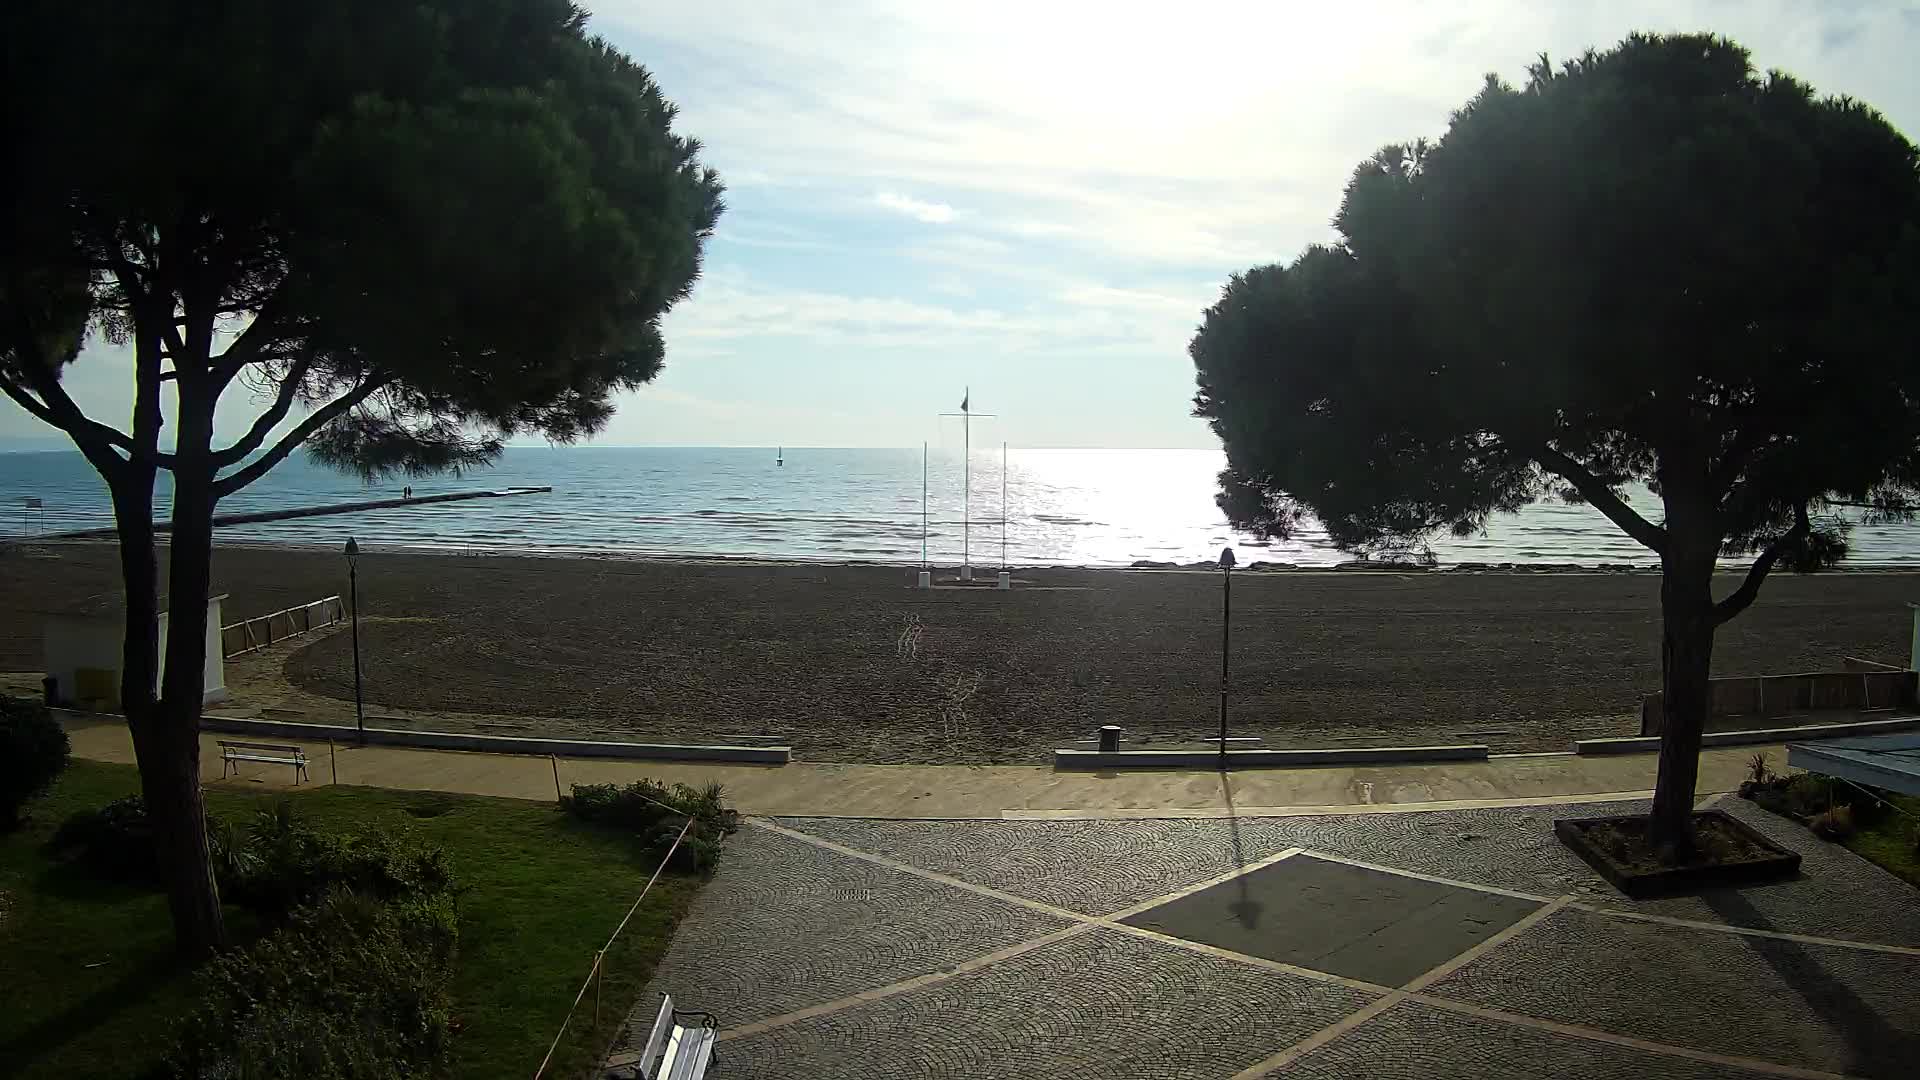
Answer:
[(1591, 488), (88, 435), (1743, 597), (264, 424), (315, 420), (249, 347), (56, 408)]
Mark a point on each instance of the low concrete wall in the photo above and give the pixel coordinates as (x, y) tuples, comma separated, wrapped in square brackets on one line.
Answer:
[(1263, 759), (499, 744), (1651, 743), (1762, 696)]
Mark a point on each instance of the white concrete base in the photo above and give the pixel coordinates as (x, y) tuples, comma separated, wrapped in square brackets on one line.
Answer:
[(924, 581), (1005, 582), (966, 573), (1264, 759)]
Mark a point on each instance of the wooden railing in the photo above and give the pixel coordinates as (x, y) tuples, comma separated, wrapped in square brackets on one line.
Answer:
[(248, 635)]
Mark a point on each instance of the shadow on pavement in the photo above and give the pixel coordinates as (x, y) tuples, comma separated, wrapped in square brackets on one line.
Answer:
[(1874, 1047)]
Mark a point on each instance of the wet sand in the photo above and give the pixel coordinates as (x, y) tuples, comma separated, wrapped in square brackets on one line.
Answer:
[(850, 663)]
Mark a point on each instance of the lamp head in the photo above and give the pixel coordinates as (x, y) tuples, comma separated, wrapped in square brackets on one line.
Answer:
[(1226, 558)]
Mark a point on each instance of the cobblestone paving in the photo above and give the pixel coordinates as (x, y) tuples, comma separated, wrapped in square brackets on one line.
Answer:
[(1815, 1006), (1102, 866), (1095, 1006), (1094, 867), (1837, 895), (787, 925), (1412, 1041)]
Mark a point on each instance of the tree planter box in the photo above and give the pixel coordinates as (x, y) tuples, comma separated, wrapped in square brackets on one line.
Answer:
[(1763, 861)]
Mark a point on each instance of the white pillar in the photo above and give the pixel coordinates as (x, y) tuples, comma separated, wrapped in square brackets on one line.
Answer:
[(1005, 582), (925, 580), (1913, 657)]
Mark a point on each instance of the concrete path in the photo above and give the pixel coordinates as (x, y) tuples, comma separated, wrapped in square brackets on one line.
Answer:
[(959, 791), (1419, 945)]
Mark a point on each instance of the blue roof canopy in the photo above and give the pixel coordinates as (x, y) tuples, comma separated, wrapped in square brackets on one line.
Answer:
[(1882, 761)]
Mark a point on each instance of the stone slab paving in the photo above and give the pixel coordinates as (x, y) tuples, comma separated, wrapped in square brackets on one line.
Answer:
[(1094, 1006), (784, 925), (1814, 1006), (1364, 924), (1412, 1041)]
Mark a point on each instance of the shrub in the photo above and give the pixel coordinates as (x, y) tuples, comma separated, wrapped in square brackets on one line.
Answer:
[(654, 813), (115, 841), (350, 987), (273, 867), (1835, 823), (33, 751), (288, 864), (1808, 794)]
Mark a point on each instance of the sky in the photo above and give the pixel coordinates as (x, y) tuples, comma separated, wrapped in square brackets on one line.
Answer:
[(1038, 200)]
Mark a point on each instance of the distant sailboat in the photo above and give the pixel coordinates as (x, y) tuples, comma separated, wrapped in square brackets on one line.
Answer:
[(779, 455)]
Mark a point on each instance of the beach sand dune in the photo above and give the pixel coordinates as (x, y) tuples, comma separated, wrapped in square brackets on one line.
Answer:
[(849, 663)]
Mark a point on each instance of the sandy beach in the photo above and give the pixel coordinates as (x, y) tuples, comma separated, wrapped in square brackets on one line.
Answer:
[(849, 663)]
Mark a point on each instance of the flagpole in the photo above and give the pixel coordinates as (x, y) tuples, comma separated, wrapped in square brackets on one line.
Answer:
[(1003, 505), (966, 415), (923, 505)]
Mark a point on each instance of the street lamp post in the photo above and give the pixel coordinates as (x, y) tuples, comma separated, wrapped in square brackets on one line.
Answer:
[(353, 594), (1226, 637)]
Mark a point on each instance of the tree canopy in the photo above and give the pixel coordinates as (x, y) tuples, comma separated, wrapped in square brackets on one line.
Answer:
[(424, 226), (1647, 266), (404, 231)]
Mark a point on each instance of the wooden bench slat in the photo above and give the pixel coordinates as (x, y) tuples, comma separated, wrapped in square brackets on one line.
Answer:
[(688, 1053)]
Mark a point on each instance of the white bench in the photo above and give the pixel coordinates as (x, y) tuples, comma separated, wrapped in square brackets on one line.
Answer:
[(233, 753), (675, 1051)]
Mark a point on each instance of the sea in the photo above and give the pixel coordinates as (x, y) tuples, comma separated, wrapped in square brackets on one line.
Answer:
[(1025, 507)]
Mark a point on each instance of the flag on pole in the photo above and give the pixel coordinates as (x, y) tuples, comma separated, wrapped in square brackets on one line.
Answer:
[(33, 503), (965, 397)]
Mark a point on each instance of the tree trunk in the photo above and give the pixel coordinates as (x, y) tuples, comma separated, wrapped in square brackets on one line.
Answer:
[(174, 799), (1686, 660)]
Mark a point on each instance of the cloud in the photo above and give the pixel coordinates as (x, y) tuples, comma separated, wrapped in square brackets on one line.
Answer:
[(1066, 317), (1216, 135), (932, 213)]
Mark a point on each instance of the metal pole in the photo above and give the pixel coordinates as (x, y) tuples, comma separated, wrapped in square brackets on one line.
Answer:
[(557, 797), (923, 505), (1226, 632), (334, 760), (1003, 505), (966, 495), (359, 706)]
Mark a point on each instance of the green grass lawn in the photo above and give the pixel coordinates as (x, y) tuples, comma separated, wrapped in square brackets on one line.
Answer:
[(92, 986), (1890, 842)]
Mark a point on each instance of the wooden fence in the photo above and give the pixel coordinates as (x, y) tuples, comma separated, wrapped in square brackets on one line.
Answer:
[(1764, 696), (258, 633)]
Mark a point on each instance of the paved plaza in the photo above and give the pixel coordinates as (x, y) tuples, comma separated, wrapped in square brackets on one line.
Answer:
[(1417, 945)]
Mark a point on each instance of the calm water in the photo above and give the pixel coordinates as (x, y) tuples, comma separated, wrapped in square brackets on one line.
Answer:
[(1081, 507)]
